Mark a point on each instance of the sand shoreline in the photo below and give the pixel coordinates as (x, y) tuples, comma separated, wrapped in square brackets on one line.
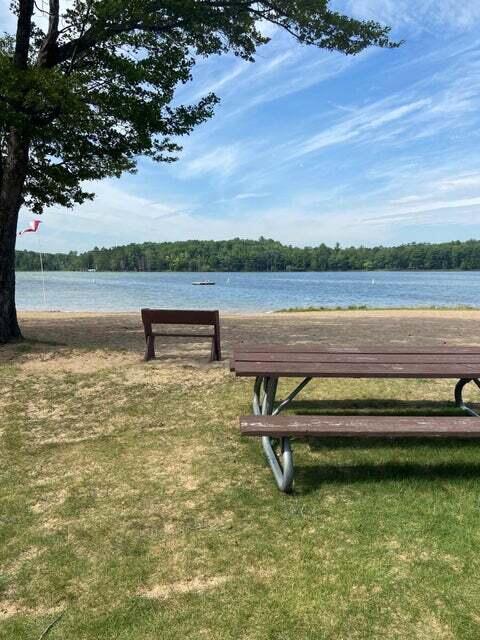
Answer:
[(403, 311), (46, 330)]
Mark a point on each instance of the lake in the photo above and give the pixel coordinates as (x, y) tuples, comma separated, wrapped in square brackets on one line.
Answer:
[(80, 291)]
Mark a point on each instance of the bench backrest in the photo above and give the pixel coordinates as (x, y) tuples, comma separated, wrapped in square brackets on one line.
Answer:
[(176, 316)]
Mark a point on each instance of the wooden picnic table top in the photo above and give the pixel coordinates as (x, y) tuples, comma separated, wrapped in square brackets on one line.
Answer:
[(317, 360)]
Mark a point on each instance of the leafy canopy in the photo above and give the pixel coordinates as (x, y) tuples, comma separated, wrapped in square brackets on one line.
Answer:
[(98, 88)]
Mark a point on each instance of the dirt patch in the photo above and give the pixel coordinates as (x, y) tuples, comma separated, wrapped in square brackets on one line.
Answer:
[(26, 556), (432, 628), (182, 463), (195, 585), (75, 361), (9, 609), (157, 376), (50, 501)]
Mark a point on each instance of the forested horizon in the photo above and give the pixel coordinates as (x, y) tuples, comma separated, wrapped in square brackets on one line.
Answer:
[(257, 255)]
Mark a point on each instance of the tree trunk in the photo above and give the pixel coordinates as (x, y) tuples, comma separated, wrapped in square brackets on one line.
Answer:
[(13, 173)]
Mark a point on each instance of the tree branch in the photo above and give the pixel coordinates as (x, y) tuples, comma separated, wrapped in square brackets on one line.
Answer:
[(48, 47), (93, 36), (82, 32)]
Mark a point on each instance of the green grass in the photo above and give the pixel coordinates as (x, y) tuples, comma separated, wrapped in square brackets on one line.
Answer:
[(129, 501)]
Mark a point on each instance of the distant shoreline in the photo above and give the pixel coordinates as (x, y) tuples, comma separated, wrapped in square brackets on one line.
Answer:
[(262, 255), (285, 272), (240, 312)]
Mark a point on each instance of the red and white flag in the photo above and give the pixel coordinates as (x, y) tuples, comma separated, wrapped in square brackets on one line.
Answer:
[(32, 228)]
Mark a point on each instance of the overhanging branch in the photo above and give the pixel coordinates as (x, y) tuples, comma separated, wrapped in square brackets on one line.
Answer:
[(47, 50)]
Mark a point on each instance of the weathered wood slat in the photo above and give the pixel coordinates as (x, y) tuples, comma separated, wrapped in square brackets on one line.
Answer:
[(175, 334), (343, 357), (351, 370), (179, 316), (361, 426), (244, 348)]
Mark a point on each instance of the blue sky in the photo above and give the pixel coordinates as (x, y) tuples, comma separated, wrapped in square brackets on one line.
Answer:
[(309, 146)]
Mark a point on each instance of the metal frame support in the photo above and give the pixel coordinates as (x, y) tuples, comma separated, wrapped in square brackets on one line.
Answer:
[(264, 391), (459, 395)]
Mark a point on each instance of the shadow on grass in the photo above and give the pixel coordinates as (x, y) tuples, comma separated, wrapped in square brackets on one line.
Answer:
[(309, 479), (329, 444), (375, 406)]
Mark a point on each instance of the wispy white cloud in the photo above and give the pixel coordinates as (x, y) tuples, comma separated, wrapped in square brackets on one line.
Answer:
[(415, 16), (470, 180), (250, 195), (407, 209), (282, 68), (220, 161), (214, 86), (443, 102), (363, 124), (292, 82)]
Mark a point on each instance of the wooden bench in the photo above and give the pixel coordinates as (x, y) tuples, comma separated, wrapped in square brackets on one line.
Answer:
[(181, 317), (360, 426), (267, 364)]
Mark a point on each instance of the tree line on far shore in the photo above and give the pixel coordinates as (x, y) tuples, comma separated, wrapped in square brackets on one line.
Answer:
[(257, 255)]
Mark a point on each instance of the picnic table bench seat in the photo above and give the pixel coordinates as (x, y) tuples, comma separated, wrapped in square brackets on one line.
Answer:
[(360, 426)]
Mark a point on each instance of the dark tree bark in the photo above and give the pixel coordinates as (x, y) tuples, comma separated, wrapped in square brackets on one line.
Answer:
[(13, 171), (13, 175)]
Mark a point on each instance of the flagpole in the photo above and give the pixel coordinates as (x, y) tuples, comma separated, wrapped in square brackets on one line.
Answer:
[(43, 275), (33, 228)]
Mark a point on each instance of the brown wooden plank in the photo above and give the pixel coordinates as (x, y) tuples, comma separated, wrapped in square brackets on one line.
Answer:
[(244, 348), (174, 334), (361, 426), (350, 370), (179, 316), (386, 358)]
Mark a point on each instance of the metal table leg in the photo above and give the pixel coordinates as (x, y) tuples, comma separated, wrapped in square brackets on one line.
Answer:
[(264, 391), (459, 395)]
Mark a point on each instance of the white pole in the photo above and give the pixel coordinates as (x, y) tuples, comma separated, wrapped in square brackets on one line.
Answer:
[(43, 275)]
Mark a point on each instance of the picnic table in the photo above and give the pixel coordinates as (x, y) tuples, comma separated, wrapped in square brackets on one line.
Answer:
[(267, 363)]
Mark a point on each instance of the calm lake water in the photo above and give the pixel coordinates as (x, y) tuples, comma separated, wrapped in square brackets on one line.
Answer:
[(75, 291)]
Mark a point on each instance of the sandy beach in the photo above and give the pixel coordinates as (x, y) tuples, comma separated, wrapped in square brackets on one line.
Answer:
[(52, 335)]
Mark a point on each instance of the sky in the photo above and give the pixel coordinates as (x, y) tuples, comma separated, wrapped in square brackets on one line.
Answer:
[(309, 146)]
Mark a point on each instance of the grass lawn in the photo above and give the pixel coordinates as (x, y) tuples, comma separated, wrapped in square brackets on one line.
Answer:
[(129, 502)]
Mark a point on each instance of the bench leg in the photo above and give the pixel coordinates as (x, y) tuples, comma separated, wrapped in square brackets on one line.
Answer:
[(216, 348), (459, 395), (212, 351), (283, 471), (150, 348)]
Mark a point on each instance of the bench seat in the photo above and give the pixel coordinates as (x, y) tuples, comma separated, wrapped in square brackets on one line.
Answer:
[(176, 334), (360, 426)]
